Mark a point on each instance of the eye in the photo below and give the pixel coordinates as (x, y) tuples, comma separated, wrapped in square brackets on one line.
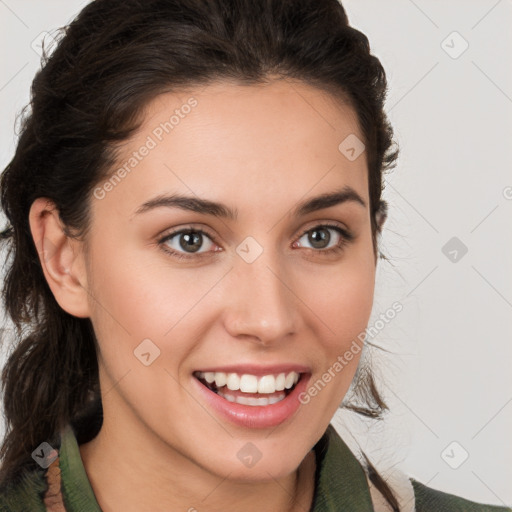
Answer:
[(194, 242), (325, 238), (187, 242)]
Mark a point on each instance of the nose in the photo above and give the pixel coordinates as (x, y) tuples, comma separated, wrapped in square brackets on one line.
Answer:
[(262, 307)]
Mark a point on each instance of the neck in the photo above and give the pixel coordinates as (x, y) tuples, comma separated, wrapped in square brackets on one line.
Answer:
[(171, 481)]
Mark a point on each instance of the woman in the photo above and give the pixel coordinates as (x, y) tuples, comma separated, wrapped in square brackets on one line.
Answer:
[(195, 208)]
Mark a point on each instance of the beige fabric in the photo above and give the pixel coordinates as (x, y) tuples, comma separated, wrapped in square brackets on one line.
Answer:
[(397, 480), (379, 502), (53, 496), (401, 487)]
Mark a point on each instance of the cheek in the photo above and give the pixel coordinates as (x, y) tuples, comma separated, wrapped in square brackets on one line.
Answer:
[(342, 302), (349, 306), (145, 298), (342, 297)]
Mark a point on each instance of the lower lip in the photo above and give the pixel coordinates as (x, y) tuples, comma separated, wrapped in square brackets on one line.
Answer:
[(249, 416)]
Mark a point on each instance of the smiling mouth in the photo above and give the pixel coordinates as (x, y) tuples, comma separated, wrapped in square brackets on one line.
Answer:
[(247, 389)]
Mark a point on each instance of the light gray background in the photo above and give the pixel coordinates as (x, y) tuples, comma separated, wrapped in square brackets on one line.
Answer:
[(447, 377)]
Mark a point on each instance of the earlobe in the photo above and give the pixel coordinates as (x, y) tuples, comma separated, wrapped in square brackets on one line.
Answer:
[(61, 258)]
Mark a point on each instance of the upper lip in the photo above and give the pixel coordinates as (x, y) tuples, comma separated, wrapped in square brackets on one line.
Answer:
[(255, 369)]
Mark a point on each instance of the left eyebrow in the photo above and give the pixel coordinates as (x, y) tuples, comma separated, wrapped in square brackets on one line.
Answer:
[(346, 194)]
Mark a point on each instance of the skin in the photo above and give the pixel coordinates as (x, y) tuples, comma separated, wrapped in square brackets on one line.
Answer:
[(260, 150)]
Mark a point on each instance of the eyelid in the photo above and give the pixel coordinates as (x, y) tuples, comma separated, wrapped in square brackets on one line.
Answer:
[(349, 236), (188, 227), (181, 254)]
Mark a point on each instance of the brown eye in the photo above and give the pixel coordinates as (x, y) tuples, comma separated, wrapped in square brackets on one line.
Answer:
[(325, 238), (319, 238), (189, 241)]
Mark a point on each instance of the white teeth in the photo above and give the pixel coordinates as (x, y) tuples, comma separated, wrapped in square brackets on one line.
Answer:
[(252, 401), (220, 379), (247, 383), (233, 381), (289, 381), (267, 384), (280, 380)]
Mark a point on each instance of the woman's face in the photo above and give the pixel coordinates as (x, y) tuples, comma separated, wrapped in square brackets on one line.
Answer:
[(210, 259)]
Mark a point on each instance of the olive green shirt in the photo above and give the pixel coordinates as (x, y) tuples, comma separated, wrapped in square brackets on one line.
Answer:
[(340, 484)]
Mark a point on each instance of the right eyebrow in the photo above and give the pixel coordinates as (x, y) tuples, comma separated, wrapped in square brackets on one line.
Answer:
[(190, 203)]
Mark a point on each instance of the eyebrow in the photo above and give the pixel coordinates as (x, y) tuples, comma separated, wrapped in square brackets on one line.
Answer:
[(207, 207)]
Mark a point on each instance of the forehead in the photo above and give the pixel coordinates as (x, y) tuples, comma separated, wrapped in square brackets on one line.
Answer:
[(305, 113), (243, 142)]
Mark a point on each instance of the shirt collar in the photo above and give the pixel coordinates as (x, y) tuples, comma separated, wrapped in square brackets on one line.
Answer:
[(340, 481), (76, 488)]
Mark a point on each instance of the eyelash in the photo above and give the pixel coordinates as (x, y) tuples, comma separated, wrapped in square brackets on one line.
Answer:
[(346, 238)]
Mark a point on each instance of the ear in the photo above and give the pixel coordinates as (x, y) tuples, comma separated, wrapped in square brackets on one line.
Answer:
[(381, 215), (61, 257)]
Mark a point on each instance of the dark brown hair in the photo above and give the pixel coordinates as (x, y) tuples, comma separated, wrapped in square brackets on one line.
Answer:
[(90, 94)]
